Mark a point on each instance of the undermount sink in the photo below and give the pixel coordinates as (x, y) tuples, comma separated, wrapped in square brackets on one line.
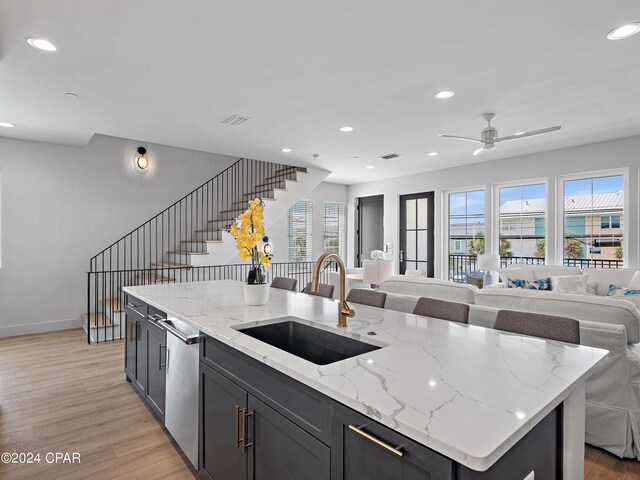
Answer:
[(309, 343)]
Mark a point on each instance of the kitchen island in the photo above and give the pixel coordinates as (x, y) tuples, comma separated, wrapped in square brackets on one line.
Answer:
[(467, 393)]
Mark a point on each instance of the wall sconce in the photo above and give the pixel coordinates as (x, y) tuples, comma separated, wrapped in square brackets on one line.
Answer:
[(266, 248), (142, 161)]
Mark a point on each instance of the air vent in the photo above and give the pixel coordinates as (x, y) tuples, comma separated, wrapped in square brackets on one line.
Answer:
[(390, 156), (235, 120)]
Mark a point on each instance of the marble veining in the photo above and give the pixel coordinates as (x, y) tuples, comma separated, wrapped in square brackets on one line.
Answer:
[(467, 392)]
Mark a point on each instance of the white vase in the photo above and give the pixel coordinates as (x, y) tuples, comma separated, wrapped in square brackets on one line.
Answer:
[(256, 294)]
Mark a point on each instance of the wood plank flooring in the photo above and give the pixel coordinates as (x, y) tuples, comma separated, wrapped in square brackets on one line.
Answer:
[(58, 394)]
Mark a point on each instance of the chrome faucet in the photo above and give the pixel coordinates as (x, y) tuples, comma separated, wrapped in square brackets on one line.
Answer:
[(343, 309)]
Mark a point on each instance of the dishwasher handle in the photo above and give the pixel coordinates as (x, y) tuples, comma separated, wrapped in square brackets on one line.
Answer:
[(189, 340)]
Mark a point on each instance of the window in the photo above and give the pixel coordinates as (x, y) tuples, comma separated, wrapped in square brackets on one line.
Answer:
[(522, 211), (335, 229), (467, 223), (610, 221), (300, 223), (593, 221)]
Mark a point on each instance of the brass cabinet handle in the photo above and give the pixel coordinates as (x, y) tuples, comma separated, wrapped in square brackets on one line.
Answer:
[(245, 433), (395, 450), (238, 440)]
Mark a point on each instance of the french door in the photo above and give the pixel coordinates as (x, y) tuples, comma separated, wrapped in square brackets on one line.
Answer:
[(416, 233)]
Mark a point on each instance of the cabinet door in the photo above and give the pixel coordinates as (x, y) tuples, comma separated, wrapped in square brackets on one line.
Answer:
[(130, 346), (279, 449), (140, 333), (222, 407), (366, 452), (156, 370)]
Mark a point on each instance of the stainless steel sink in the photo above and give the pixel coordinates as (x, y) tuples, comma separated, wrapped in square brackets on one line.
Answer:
[(309, 343)]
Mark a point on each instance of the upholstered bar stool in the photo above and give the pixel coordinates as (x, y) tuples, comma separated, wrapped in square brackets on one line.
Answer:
[(285, 283), (563, 329), (452, 311)]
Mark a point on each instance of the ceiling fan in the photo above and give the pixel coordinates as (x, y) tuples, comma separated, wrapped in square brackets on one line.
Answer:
[(489, 136)]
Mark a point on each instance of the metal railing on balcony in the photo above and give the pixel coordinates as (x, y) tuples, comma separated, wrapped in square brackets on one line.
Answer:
[(460, 266)]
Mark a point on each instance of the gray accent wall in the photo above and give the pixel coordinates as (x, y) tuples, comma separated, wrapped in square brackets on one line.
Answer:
[(61, 205)]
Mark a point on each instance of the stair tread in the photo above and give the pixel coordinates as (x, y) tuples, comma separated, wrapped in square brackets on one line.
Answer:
[(202, 241), (263, 191), (97, 320), (293, 169), (281, 175), (113, 304), (188, 253), (172, 265), (276, 182), (219, 220), (155, 277)]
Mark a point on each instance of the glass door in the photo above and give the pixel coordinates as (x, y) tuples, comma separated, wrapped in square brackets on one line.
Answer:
[(416, 233)]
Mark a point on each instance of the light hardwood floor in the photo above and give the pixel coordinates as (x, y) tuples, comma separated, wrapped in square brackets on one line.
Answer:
[(58, 394)]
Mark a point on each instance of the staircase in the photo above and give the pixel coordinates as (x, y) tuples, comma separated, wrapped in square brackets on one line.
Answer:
[(188, 241)]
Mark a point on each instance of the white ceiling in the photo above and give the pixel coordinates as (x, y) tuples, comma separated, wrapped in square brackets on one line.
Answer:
[(169, 72)]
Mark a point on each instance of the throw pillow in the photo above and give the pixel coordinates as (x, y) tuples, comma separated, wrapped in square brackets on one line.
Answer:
[(522, 272), (618, 291), (542, 284), (570, 284)]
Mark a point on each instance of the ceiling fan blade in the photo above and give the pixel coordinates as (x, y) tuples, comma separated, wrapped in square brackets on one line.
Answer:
[(466, 139), (478, 151), (529, 134)]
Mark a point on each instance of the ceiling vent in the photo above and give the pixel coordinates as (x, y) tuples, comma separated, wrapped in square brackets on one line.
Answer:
[(235, 120), (390, 156)]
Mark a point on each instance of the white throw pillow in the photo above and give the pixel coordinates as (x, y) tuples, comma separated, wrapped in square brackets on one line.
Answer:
[(634, 284), (570, 284)]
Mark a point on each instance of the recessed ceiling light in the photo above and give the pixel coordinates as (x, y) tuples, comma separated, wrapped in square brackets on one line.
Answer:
[(624, 31), (346, 129), (42, 44), (7, 125), (432, 154), (286, 150), (71, 95), (444, 94), (519, 133), (370, 167)]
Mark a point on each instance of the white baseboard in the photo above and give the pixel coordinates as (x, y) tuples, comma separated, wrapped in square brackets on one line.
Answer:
[(15, 330)]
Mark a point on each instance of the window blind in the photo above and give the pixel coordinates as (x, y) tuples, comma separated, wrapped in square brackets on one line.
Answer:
[(300, 226), (335, 229)]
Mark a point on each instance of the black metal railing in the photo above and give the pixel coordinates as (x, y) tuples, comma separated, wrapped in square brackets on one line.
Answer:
[(159, 250), (462, 265), (110, 284)]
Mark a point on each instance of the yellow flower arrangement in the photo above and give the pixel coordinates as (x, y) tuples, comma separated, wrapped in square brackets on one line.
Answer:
[(248, 230)]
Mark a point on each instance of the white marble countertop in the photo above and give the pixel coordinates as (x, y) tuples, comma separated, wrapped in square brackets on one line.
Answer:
[(467, 392)]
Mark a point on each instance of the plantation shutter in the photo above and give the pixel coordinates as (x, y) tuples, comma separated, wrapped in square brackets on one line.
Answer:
[(300, 224), (335, 229)]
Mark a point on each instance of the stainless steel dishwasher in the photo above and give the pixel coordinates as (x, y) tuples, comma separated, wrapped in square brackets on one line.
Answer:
[(181, 409)]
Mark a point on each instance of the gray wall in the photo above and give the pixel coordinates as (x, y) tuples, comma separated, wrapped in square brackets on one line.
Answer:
[(615, 154), (61, 205)]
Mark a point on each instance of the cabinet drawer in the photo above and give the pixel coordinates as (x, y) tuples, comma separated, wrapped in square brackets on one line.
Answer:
[(135, 306), (305, 407), (362, 448)]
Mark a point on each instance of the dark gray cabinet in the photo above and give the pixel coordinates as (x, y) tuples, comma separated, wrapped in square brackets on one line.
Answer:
[(362, 449), (156, 367), (243, 438), (281, 449), (145, 353), (222, 408), (136, 343)]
